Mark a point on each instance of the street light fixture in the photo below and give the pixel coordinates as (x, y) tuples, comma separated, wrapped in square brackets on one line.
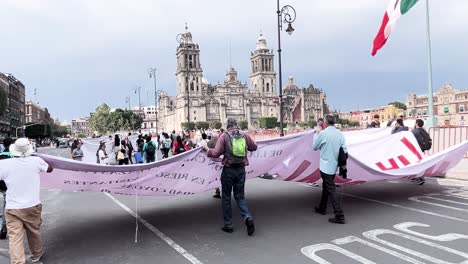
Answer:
[(138, 88), (287, 14), (152, 74)]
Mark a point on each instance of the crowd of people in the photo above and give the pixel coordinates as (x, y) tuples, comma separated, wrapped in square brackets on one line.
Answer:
[(20, 174)]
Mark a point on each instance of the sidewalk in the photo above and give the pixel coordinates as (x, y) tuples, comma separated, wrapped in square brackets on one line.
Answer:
[(460, 171)]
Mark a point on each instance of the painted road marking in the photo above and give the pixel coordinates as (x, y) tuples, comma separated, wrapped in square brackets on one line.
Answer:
[(378, 243), (160, 234)]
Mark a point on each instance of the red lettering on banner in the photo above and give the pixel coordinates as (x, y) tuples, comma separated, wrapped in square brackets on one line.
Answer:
[(401, 158), (304, 165), (393, 165), (411, 147)]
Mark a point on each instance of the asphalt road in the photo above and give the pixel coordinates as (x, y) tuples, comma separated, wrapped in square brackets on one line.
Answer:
[(388, 222)]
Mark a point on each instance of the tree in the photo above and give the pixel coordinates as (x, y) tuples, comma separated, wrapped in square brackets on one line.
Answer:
[(243, 124), (38, 131), (59, 131), (202, 125), (216, 124), (100, 120), (3, 101), (188, 126), (398, 105), (268, 122)]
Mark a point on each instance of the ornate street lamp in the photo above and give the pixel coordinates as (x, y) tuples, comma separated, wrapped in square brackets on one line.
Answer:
[(152, 74), (287, 14)]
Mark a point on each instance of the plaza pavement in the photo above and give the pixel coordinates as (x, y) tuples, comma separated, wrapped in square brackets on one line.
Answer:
[(98, 228)]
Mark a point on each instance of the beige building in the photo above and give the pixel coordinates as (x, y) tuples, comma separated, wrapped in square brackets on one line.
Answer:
[(203, 101), (450, 106), (80, 126), (37, 114)]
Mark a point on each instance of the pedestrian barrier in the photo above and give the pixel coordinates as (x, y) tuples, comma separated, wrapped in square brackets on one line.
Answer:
[(446, 137)]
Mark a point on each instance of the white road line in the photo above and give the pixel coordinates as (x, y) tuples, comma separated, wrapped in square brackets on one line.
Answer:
[(160, 234), (407, 208)]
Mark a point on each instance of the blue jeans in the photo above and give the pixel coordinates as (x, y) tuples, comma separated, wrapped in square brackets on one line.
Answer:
[(233, 179), (3, 224)]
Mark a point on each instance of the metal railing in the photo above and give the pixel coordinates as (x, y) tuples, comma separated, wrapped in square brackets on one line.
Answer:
[(446, 137)]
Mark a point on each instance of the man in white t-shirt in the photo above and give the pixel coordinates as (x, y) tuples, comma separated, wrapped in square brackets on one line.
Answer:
[(203, 142), (23, 208)]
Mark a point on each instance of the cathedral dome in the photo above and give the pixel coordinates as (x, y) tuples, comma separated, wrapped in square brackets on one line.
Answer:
[(204, 81), (291, 87)]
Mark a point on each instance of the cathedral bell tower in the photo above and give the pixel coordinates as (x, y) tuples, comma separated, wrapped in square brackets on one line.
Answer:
[(189, 69), (263, 76)]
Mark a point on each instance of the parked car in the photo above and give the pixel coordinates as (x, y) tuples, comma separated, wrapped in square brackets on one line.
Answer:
[(64, 143)]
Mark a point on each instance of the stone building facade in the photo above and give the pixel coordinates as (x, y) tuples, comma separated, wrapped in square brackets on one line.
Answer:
[(13, 118), (450, 106), (36, 114), (198, 100), (80, 126)]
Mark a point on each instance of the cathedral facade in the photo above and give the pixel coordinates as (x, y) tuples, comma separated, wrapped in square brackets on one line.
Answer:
[(198, 100)]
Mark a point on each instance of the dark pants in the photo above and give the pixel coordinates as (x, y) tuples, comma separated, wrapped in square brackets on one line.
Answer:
[(123, 161), (150, 159), (165, 153), (130, 156), (233, 179), (329, 190)]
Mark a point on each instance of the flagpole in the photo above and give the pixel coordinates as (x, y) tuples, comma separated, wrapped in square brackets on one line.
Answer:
[(431, 120)]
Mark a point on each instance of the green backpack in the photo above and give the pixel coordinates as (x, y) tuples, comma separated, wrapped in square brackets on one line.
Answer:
[(237, 148)]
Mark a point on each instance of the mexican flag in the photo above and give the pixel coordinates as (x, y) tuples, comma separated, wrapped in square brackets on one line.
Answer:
[(395, 10)]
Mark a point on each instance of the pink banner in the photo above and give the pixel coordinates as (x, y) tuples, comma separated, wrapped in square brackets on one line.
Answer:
[(374, 155)]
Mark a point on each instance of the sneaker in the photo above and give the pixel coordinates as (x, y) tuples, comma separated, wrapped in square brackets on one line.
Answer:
[(36, 260), (250, 226), (3, 233), (335, 220), (227, 229), (217, 195), (320, 211), (421, 181)]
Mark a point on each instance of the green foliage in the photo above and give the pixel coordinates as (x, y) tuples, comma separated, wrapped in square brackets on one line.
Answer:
[(398, 105), (268, 122), (354, 124), (104, 121), (59, 131), (188, 126), (202, 125), (216, 124), (291, 124), (81, 135), (308, 124), (100, 120), (3, 101), (38, 131), (243, 124)]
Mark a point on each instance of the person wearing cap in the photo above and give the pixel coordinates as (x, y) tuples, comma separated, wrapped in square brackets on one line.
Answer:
[(5, 154), (23, 209), (233, 145)]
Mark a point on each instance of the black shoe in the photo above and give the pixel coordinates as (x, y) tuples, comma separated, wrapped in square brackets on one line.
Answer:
[(250, 226), (320, 211), (227, 229), (421, 181), (335, 220), (3, 233), (217, 195)]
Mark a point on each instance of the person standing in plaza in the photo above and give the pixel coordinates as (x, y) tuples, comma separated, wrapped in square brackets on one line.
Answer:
[(399, 126), (101, 154), (23, 209), (150, 150), (179, 146), (424, 142), (5, 154), (130, 147), (166, 145), (124, 157), (328, 142), (77, 153), (233, 145)]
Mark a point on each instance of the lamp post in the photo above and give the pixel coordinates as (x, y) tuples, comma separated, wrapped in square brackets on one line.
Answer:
[(127, 101), (287, 14), (138, 88), (182, 39), (152, 74)]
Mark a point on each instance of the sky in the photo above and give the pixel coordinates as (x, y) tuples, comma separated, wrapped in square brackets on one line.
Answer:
[(81, 53)]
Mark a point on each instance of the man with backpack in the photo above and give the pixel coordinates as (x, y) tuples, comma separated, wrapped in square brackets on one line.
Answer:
[(424, 142), (150, 149), (233, 145)]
